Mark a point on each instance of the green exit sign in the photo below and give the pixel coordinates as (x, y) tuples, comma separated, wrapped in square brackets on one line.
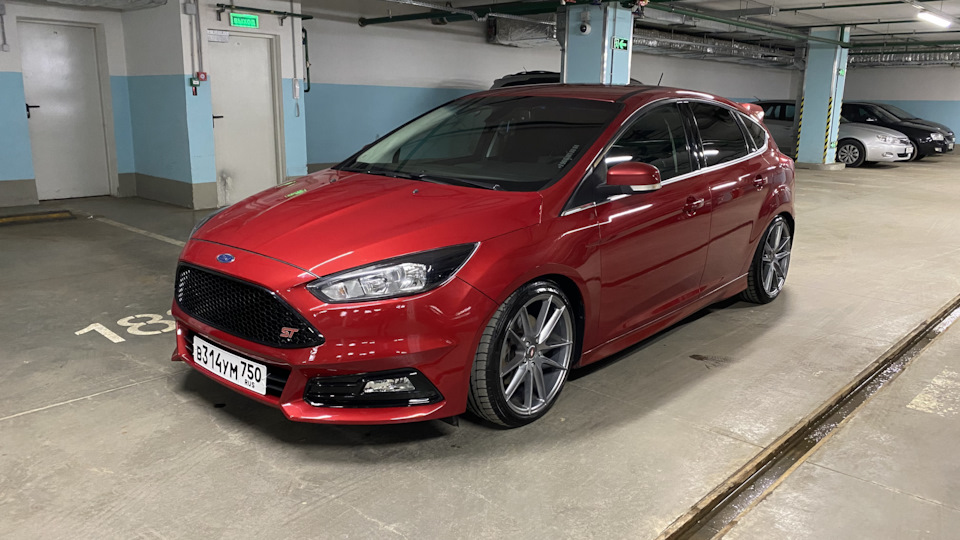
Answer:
[(620, 44), (244, 20)]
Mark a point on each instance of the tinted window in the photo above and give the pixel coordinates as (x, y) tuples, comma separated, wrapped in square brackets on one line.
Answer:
[(722, 138), (514, 143), (656, 138), (789, 111), (855, 113), (771, 111), (756, 132)]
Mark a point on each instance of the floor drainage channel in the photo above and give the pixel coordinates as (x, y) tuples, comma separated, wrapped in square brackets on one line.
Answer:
[(717, 513)]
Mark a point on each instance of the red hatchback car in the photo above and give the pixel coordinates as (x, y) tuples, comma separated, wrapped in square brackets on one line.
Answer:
[(471, 258)]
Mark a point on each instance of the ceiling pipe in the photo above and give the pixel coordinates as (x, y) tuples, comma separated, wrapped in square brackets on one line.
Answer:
[(783, 32), (845, 6), (467, 13)]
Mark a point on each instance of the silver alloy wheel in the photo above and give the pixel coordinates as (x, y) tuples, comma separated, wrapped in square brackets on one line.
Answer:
[(536, 353), (776, 258), (848, 154)]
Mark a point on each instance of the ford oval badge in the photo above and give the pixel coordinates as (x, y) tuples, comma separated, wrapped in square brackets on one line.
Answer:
[(226, 258)]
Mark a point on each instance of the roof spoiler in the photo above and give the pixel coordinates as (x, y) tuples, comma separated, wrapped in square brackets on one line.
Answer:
[(753, 110)]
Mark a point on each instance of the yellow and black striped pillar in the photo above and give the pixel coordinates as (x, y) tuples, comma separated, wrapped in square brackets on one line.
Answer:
[(826, 138)]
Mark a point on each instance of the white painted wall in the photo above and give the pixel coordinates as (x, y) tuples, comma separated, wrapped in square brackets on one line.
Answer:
[(153, 44), (412, 54), (419, 54), (725, 79), (108, 24), (929, 83)]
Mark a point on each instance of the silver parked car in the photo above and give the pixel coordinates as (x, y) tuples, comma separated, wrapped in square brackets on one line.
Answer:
[(858, 143)]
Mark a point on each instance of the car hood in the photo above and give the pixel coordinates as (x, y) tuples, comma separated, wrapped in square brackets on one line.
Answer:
[(929, 123), (850, 129), (334, 220)]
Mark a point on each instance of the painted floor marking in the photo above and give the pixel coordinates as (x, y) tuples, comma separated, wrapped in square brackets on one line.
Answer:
[(149, 234), (941, 397)]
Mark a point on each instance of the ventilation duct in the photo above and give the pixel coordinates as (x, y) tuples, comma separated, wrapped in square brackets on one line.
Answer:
[(122, 5), (656, 42), (517, 33), (905, 59)]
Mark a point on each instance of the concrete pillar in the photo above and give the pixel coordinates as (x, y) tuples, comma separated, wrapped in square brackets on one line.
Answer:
[(597, 41), (822, 96)]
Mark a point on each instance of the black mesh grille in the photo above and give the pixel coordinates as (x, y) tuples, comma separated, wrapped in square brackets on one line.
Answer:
[(242, 309)]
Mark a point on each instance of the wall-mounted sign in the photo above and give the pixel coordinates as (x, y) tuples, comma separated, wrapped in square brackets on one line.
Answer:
[(244, 20), (620, 44), (218, 36)]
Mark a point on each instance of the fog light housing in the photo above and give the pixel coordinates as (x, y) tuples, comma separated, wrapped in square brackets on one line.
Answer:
[(395, 388), (396, 384)]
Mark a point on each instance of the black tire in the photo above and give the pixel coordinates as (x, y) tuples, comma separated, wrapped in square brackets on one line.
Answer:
[(853, 151), (757, 290), (487, 399)]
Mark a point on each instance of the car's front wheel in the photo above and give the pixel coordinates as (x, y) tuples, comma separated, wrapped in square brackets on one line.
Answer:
[(524, 356), (916, 155), (851, 153), (768, 271)]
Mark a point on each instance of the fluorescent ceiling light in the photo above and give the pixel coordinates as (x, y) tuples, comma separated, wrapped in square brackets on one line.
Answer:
[(934, 19)]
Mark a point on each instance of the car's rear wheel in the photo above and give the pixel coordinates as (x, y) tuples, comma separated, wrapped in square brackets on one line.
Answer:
[(524, 356), (768, 271), (851, 153)]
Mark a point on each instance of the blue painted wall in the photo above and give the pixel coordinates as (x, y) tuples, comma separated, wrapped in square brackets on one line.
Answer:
[(16, 161), (122, 126), (159, 125), (342, 118), (945, 112), (294, 130), (199, 114)]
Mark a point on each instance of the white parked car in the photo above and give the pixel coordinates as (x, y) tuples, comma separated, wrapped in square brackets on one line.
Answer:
[(858, 143)]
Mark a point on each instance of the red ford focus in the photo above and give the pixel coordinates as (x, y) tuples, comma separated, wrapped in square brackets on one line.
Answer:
[(471, 258)]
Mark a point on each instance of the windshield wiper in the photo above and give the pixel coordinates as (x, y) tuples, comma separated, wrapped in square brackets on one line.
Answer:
[(445, 180), (422, 177)]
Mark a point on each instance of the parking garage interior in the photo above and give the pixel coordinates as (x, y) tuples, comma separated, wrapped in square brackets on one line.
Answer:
[(831, 412)]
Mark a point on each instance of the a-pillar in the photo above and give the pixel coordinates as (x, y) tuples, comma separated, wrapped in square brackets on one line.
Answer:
[(597, 41), (823, 83)]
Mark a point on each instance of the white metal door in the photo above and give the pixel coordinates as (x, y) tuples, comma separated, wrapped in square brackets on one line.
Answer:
[(243, 86), (61, 78)]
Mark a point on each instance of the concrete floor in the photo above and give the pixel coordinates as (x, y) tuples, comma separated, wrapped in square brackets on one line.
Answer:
[(111, 440), (891, 472)]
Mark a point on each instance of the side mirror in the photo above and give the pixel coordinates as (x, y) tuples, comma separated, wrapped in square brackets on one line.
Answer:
[(629, 178)]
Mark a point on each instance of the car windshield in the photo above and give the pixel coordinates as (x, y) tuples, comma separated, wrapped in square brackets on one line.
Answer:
[(884, 115), (512, 143), (898, 112)]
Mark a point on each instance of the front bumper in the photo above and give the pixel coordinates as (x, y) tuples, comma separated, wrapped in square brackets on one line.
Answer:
[(932, 148), (881, 151), (436, 333)]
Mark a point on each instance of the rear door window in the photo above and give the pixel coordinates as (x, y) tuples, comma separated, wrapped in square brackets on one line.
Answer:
[(720, 134), (757, 133)]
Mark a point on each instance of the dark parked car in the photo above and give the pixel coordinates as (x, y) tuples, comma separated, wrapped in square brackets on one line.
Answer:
[(534, 77), (926, 140), (909, 117)]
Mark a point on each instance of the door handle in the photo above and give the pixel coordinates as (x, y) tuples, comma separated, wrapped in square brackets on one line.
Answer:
[(693, 205), (29, 106), (759, 182)]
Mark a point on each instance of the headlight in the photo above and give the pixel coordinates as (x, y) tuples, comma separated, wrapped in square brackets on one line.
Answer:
[(936, 136), (401, 276), (884, 138), (203, 221)]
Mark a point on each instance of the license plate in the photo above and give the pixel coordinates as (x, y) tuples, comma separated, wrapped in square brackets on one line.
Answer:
[(226, 365)]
